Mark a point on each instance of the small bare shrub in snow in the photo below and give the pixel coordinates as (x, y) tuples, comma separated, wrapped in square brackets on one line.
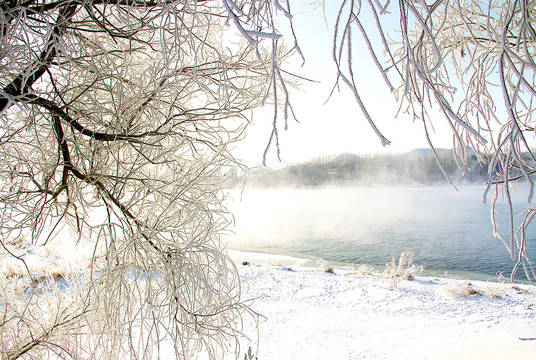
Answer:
[(324, 266), (405, 269), (459, 289), (362, 269), (463, 289), (249, 355), (494, 291), (520, 290)]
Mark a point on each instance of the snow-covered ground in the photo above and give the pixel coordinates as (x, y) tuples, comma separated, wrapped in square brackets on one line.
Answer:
[(310, 314)]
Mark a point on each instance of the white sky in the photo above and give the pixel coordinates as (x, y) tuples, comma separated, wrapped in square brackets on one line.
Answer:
[(339, 125)]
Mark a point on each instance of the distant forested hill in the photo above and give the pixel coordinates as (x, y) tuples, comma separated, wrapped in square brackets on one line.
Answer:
[(418, 166)]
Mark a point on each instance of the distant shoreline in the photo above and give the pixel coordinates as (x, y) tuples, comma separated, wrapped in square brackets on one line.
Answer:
[(419, 166)]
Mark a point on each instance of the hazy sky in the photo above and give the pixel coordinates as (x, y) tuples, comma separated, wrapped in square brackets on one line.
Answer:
[(337, 126)]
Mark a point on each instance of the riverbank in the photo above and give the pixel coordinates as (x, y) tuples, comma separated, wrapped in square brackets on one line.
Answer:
[(311, 314), (311, 311)]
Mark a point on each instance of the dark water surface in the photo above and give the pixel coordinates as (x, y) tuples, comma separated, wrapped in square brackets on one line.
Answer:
[(448, 230)]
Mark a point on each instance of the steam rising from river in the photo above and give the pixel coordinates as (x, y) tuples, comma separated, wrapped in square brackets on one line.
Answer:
[(447, 229)]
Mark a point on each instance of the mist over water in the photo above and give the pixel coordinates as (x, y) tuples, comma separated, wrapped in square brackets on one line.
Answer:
[(448, 230)]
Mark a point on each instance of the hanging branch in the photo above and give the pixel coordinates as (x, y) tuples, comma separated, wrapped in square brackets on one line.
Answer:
[(442, 44)]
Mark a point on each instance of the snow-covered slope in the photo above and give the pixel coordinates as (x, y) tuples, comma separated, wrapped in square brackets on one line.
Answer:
[(309, 314)]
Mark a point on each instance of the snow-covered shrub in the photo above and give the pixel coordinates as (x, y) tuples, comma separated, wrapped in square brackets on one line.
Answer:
[(324, 266), (463, 289), (362, 269), (405, 269), (459, 289)]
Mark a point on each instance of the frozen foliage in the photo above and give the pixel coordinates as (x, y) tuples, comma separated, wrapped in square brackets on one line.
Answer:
[(116, 123), (405, 269), (324, 266), (39, 314), (471, 61)]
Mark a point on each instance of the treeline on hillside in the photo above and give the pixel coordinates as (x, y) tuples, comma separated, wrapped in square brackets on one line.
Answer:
[(416, 167)]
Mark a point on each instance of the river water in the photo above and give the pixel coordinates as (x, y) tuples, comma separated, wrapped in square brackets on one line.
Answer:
[(447, 230)]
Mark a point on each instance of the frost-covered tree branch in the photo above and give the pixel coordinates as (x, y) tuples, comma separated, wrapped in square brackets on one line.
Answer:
[(117, 118), (472, 62)]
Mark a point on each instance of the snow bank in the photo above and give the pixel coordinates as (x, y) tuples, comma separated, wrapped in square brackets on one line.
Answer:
[(310, 314)]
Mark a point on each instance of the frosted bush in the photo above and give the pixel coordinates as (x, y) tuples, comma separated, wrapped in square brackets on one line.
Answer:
[(324, 266), (459, 289), (405, 269), (362, 269), (464, 289)]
